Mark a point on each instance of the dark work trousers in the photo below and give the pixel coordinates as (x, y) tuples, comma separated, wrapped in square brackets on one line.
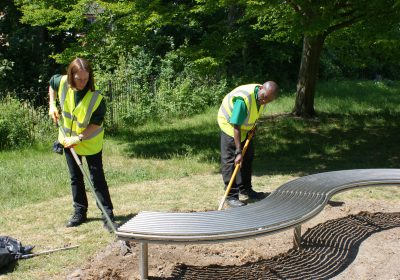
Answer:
[(95, 164), (243, 177)]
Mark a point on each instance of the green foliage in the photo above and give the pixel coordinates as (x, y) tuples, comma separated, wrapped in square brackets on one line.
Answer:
[(190, 91), (24, 61), (189, 94), (229, 41), (355, 52), (15, 125), (131, 97), (6, 67), (22, 124), (147, 88), (214, 38)]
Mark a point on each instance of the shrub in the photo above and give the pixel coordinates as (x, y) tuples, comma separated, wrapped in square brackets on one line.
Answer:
[(143, 87), (186, 92), (15, 124)]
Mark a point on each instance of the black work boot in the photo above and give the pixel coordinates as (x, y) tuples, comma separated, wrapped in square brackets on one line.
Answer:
[(77, 219), (252, 194), (234, 202)]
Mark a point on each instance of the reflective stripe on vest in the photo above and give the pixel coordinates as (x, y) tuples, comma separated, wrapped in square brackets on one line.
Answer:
[(76, 118), (64, 88), (225, 111)]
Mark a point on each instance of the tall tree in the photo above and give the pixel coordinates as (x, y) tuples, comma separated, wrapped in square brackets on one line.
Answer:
[(24, 52), (314, 20)]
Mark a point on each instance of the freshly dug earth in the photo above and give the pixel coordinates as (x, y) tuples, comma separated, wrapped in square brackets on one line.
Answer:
[(339, 243)]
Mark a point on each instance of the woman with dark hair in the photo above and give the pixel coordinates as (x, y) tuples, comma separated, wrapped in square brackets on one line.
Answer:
[(83, 110)]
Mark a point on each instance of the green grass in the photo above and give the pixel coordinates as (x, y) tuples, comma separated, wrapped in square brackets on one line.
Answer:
[(174, 166), (357, 127), (152, 152)]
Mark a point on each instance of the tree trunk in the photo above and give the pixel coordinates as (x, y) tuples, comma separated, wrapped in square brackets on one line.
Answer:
[(312, 47)]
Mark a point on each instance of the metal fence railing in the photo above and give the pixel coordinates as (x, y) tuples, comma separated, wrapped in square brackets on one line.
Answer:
[(124, 101), (32, 100)]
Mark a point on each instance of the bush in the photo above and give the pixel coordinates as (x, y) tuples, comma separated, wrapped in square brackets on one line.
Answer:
[(15, 124), (145, 88), (187, 92)]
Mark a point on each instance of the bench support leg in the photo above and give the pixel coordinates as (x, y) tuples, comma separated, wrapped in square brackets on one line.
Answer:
[(297, 237), (144, 261)]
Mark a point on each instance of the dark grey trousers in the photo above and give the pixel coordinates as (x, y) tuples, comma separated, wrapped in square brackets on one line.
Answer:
[(243, 177)]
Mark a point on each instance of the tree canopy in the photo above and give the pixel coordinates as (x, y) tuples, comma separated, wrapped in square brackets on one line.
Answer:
[(314, 21), (244, 41)]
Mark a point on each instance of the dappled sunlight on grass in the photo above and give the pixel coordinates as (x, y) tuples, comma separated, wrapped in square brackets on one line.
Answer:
[(362, 97), (356, 127), (294, 145)]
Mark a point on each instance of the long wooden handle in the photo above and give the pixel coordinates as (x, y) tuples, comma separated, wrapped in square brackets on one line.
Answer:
[(235, 171), (80, 165)]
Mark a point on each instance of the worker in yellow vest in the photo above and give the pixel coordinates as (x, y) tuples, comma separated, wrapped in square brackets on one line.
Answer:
[(83, 110), (239, 111)]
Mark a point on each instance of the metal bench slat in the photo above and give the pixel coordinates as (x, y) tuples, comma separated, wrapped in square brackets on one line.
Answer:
[(177, 224)]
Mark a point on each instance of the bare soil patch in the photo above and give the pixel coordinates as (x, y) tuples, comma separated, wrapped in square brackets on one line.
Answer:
[(339, 243)]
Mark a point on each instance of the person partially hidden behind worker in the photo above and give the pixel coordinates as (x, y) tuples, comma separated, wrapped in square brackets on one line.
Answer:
[(83, 110), (237, 115)]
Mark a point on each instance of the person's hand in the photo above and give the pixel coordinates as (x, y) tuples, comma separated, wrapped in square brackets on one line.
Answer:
[(71, 141), (53, 112), (238, 159)]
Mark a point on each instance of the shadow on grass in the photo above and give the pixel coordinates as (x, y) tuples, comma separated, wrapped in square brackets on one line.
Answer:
[(326, 250), (285, 144), (330, 142), (168, 142)]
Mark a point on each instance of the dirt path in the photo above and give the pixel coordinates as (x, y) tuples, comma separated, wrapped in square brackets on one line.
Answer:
[(339, 243)]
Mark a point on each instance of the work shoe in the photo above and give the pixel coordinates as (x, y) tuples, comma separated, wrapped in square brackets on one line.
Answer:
[(252, 194), (76, 220), (234, 202)]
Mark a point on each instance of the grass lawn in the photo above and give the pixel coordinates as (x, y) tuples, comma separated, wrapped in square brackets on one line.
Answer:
[(174, 166)]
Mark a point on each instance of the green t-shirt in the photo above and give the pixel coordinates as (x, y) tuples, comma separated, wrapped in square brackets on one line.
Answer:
[(239, 112), (97, 116)]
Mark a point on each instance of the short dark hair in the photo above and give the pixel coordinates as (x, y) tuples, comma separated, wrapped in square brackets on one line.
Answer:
[(80, 64)]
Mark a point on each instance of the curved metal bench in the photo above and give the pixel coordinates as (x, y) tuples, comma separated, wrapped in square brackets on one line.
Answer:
[(288, 206)]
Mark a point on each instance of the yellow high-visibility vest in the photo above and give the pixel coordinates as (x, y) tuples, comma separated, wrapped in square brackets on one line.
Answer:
[(225, 111), (76, 118)]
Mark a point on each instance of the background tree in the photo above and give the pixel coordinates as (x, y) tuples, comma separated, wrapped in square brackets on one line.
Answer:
[(350, 54), (240, 41), (24, 61), (212, 36), (314, 21)]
